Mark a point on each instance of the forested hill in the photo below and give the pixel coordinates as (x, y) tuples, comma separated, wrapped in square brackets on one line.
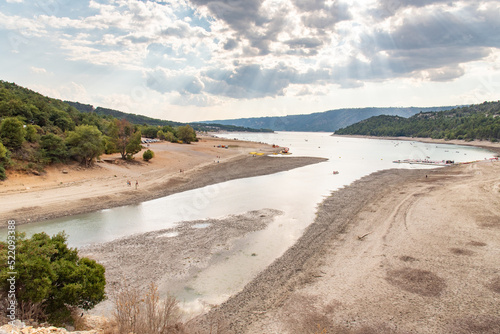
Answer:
[(328, 121), (36, 131), (479, 121), (140, 119)]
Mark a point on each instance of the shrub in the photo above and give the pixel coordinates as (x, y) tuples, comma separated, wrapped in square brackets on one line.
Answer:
[(12, 132), (148, 155), (51, 278), (53, 148)]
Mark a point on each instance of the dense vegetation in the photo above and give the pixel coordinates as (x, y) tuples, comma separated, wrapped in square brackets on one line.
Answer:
[(144, 120), (480, 121), (327, 121), (51, 279), (36, 131)]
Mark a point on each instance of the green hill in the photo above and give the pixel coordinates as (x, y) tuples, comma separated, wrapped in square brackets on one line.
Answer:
[(479, 121), (327, 121), (145, 120)]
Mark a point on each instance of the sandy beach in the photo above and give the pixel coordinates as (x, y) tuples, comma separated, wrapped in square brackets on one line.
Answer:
[(398, 251), (67, 190)]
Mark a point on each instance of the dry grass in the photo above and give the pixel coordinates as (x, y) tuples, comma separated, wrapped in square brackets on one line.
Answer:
[(421, 282), (144, 313)]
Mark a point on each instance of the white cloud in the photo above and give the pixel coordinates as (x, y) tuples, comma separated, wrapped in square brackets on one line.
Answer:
[(38, 70)]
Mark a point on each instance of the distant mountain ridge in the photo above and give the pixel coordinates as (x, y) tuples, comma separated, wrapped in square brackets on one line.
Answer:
[(327, 121), (140, 119)]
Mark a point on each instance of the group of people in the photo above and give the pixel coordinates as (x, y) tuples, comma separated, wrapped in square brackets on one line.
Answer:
[(130, 183)]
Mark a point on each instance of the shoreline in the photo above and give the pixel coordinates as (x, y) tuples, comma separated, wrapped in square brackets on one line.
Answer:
[(494, 147), (309, 273), (101, 187)]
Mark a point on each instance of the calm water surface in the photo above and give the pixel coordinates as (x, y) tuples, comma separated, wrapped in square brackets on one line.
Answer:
[(296, 193)]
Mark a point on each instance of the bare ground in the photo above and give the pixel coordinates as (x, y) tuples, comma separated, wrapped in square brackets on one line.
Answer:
[(399, 251), (171, 257)]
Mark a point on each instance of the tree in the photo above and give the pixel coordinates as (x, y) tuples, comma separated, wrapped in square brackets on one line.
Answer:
[(4, 155), (51, 277), (4, 161), (12, 133), (186, 134), (85, 144), (32, 133), (148, 155), (127, 140), (150, 131), (53, 148), (134, 145)]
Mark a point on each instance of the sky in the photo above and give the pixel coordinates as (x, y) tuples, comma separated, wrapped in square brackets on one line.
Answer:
[(195, 60)]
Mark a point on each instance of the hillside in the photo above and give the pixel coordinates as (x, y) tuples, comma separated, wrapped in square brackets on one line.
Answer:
[(37, 131), (145, 120), (479, 121), (327, 121)]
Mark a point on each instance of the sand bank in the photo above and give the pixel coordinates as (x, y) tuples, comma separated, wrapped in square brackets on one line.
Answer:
[(68, 190), (398, 251)]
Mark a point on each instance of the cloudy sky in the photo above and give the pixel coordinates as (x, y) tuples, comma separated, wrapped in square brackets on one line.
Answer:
[(191, 60)]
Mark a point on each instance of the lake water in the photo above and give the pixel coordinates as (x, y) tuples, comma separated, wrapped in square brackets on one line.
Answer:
[(296, 193)]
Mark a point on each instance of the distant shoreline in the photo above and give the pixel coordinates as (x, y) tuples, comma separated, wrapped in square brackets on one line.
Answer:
[(494, 147)]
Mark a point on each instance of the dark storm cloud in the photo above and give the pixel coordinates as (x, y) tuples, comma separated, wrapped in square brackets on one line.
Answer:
[(253, 23), (387, 8), (231, 44), (238, 14), (438, 41), (305, 42), (320, 15), (429, 44), (471, 29), (249, 81), (255, 81)]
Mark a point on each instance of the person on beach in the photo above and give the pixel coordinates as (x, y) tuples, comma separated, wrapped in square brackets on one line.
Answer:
[(128, 183), (136, 184)]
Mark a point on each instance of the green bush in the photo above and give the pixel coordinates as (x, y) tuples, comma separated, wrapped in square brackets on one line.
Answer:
[(12, 132), (148, 155), (53, 148), (51, 277)]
